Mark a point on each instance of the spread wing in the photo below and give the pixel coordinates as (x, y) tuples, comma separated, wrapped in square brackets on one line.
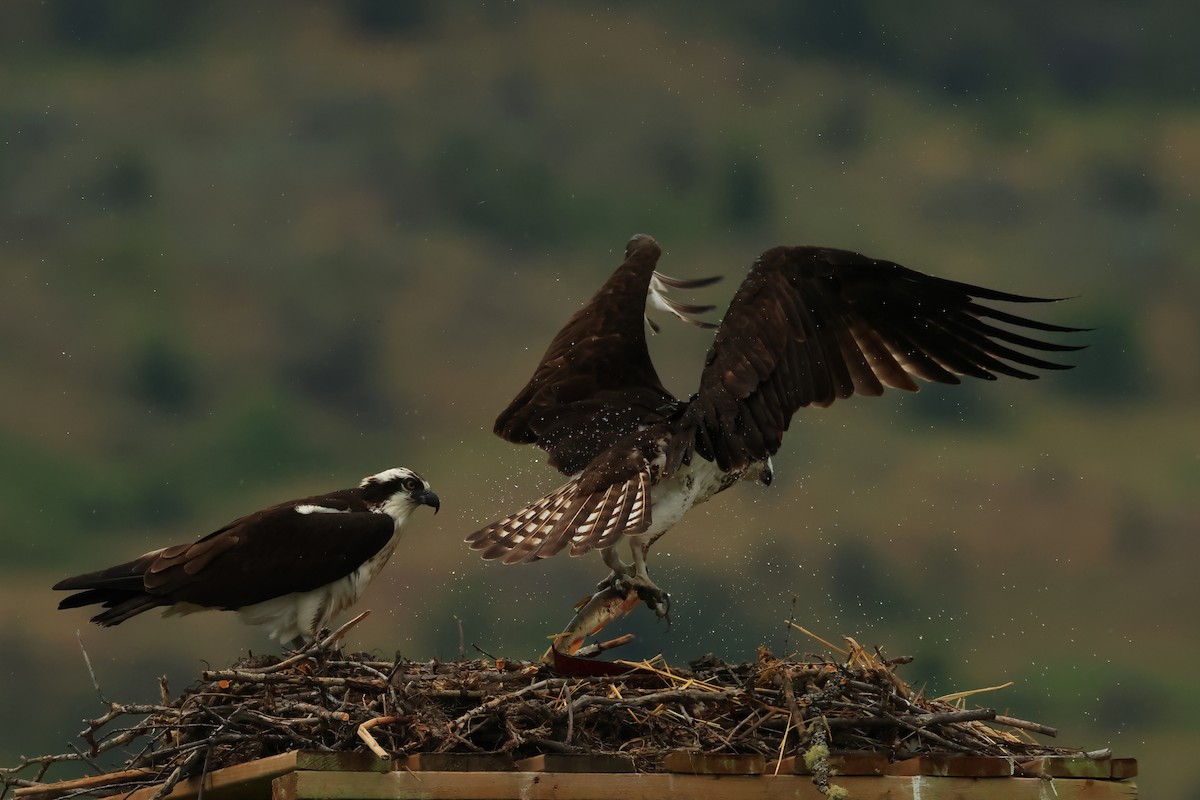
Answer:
[(596, 405), (811, 325), (254, 558), (596, 383)]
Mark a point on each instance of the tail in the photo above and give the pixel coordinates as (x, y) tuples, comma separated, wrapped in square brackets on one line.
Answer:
[(567, 516), (120, 589)]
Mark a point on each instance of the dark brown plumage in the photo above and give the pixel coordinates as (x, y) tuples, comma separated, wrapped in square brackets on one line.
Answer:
[(808, 326), (811, 325), (291, 566)]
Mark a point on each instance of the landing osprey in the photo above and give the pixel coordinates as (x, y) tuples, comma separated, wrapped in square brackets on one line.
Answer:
[(291, 567), (809, 325)]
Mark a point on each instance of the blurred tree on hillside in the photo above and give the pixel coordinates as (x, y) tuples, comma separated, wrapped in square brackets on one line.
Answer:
[(391, 18), (161, 377), (255, 250), (1080, 50), (123, 28)]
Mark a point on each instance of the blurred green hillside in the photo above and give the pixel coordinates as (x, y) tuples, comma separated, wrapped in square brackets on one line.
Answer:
[(253, 251)]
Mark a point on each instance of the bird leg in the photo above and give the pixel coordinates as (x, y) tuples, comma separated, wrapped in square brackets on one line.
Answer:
[(634, 577)]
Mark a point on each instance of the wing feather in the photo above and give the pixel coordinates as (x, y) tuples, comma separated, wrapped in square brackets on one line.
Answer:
[(263, 555), (518, 537), (576, 509), (596, 382), (808, 326), (568, 515), (812, 325)]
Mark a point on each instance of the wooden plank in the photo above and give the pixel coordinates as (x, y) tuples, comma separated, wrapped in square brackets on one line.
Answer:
[(572, 763), (460, 762), (338, 762), (1123, 768), (693, 763), (1066, 767), (252, 780), (840, 763), (952, 766), (403, 785)]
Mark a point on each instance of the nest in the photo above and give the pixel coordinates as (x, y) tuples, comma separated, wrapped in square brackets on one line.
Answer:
[(324, 699)]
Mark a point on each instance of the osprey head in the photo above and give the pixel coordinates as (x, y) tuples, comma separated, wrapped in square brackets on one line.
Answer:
[(766, 472), (641, 241), (397, 491)]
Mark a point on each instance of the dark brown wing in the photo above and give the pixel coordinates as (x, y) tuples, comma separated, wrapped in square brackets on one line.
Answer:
[(810, 325), (596, 382), (596, 405), (260, 556)]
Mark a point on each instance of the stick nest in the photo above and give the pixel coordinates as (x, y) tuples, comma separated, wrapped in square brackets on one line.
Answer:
[(324, 699)]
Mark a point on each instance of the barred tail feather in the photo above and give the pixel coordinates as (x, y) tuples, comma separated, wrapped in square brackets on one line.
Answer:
[(519, 536), (576, 513), (584, 521), (630, 513)]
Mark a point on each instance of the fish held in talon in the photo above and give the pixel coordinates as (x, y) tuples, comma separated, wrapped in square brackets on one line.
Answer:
[(807, 327)]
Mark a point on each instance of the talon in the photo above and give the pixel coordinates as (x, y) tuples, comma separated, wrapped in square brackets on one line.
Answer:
[(657, 601), (622, 584), (655, 598), (636, 587)]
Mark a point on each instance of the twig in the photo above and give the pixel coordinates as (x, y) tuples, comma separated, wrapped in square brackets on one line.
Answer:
[(911, 721), (364, 733), (816, 758), (462, 642), (92, 672), (832, 647), (499, 701), (481, 651), (177, 774), (312, 648), (955, 696), (48, 791), (1035, 727), (667, 696), (570, 718), (595, 649)]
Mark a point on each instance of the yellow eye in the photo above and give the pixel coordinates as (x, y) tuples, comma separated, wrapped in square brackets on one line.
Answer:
[(411, 484)]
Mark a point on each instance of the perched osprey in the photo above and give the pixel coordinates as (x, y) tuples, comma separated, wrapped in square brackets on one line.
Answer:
[(808, 326), (290, 567)]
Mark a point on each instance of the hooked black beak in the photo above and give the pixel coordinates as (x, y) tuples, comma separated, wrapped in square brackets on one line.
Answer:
[(430, 498), (766, 476)]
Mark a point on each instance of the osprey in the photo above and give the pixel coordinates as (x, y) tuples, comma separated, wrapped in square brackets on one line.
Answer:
[(290, 567), (809, 325)]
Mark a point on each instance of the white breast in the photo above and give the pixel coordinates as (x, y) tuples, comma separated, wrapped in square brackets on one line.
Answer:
[(671, 499), (301, 615)]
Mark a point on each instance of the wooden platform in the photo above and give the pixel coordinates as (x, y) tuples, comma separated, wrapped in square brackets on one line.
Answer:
[(355, 776)]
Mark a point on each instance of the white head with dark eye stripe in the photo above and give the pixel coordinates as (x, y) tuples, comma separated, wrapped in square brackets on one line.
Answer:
[(397, 491)]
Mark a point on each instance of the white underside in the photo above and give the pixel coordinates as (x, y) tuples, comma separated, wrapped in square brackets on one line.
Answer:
[(301, 615), (669, 501)]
